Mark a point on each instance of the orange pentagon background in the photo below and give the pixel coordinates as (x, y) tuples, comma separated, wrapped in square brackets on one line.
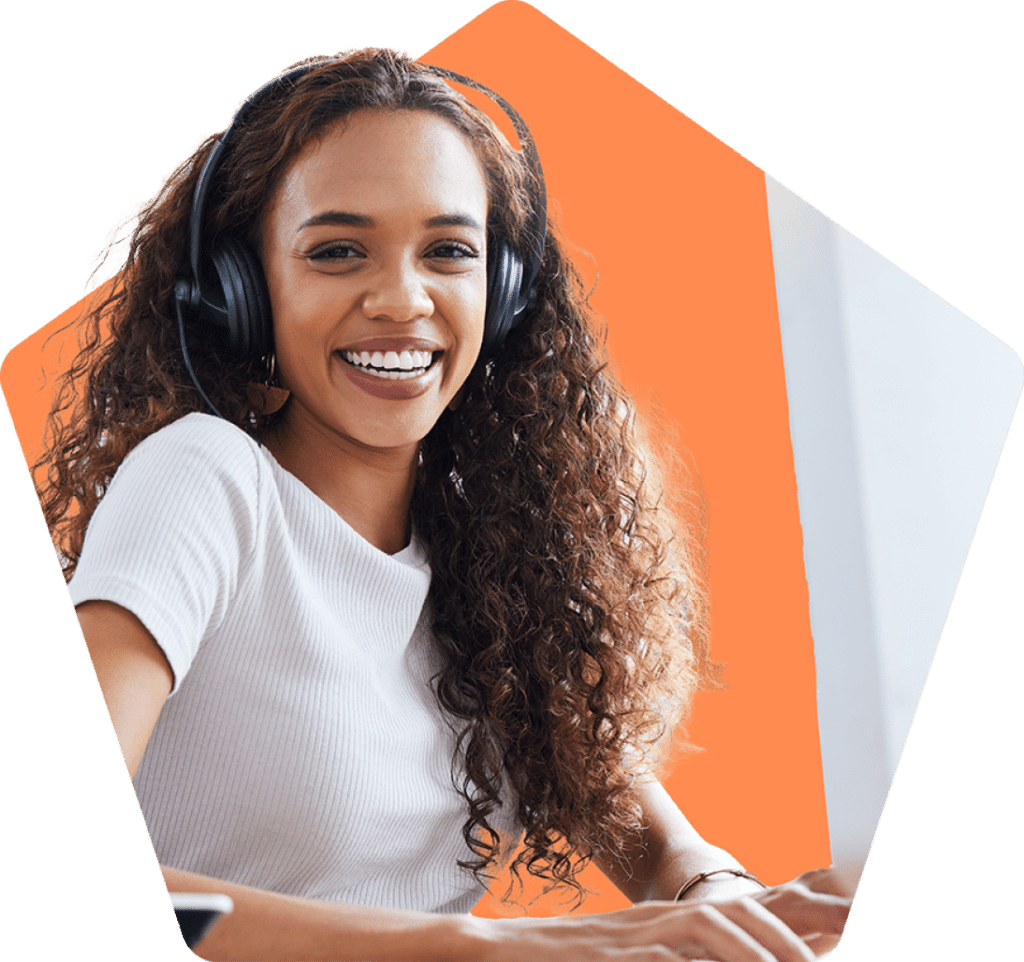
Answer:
[(677, 224), (673, 226)]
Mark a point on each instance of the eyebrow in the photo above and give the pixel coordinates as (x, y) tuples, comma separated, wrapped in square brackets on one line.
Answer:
[(337, 218), (343, 218), (455, 220)]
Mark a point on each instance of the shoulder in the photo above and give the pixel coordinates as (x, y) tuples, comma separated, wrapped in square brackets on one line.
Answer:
[(197, 469), (197, 440), (197, 460), (177, 533)]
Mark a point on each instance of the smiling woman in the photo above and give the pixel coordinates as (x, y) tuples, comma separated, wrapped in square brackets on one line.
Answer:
[(375, 249), (403, 609)]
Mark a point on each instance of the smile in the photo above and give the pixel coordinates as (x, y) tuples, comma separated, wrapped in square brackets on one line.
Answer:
[(391, 365)]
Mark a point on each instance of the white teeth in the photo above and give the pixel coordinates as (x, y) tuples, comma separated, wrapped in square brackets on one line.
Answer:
[(390, 364)]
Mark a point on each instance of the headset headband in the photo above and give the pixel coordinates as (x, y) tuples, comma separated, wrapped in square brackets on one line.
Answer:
[(529, 150), (237, 300)]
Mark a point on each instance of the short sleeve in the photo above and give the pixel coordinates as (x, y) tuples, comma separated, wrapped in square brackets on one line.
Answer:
[(175, 533)]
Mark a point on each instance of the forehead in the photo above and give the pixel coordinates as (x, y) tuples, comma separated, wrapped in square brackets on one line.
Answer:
[(381, 162)]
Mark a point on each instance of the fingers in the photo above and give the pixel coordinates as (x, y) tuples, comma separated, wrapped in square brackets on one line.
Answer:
[(827, 881), (820, 944), (814, 903), (738, 931), (651, 953), (808, 912), (768, 929), (712, 935), (741, 930)]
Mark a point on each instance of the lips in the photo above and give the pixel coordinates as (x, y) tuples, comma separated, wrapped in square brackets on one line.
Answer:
[(390, 368), (397, 344)]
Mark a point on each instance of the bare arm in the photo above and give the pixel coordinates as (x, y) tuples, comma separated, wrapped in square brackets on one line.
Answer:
[(268, 926), (669, 852), (136, 678), (133, 672)]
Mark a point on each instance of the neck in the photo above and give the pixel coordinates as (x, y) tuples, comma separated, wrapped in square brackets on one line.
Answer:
[(371, 488)]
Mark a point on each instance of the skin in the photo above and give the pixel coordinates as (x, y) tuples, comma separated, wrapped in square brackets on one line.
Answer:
[(406, 264), (413, 272)]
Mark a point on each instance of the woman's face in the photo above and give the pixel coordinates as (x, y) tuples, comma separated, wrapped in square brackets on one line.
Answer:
[(374, 249)]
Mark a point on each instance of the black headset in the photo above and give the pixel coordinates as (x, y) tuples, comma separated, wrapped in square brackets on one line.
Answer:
[(227, 292)]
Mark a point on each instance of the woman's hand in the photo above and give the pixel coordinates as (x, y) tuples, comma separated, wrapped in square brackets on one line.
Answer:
[(271, 926), (739, 930), (814, 906)]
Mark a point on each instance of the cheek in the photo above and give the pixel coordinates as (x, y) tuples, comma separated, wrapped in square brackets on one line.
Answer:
[(299, 316)]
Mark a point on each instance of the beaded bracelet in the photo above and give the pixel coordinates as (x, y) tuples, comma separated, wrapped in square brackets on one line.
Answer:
[(701, 876)]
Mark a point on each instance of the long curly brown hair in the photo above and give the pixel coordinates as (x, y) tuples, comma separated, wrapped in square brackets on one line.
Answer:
[(572, 625)]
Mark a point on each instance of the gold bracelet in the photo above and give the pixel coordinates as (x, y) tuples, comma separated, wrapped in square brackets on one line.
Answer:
[(701, 876)]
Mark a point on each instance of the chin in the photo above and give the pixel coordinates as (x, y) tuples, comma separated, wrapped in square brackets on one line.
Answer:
[(393, 437)]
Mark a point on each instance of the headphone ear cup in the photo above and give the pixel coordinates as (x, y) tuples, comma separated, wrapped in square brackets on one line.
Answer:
[(504, 280), (237, 302)]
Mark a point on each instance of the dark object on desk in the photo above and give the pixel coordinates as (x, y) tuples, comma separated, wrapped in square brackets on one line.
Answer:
[(196, 912)]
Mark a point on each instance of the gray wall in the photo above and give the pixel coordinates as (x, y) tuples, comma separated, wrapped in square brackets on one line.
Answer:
[(899, 406)]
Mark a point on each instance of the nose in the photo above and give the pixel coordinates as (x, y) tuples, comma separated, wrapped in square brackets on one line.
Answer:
[(398, 293)]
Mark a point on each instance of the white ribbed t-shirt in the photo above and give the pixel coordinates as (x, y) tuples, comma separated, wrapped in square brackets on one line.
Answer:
[(302, 749)]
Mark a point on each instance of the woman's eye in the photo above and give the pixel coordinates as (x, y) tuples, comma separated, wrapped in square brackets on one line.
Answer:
[(451, 250), (335, 252)]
